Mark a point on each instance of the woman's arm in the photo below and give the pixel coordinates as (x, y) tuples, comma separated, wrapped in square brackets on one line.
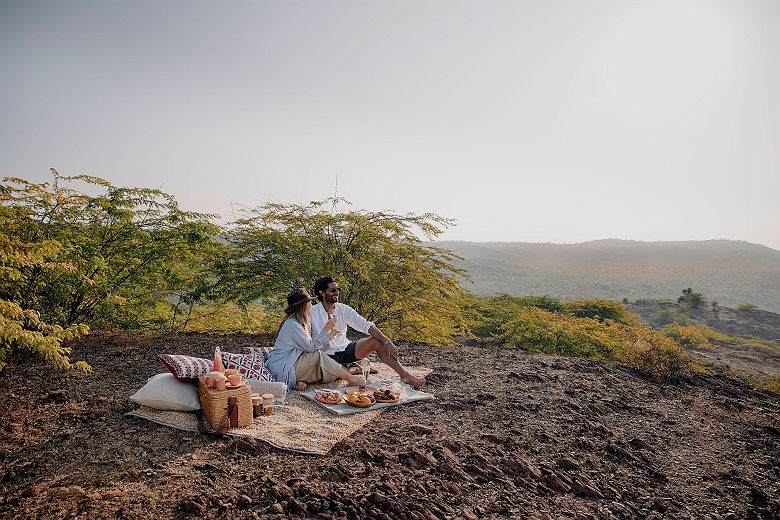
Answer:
[(297, 337)]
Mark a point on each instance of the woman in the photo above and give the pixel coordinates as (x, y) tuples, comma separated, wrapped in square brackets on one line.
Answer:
[(298, 359)]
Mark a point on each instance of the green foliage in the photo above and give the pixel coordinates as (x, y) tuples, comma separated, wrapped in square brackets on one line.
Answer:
[(747, 307), (692, 300), (68, 258), (600, 310), (656, 356), (538, 329), (669, 316), (485, 316), (411, 291), (687, 336)]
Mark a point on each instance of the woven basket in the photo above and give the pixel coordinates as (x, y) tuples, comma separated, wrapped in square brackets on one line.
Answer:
[(215, 404)]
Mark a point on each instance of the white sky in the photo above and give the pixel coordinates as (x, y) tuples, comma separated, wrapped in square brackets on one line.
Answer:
[(554, 121)]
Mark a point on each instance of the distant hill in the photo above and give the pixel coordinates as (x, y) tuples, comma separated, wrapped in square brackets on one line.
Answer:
[(730, 272)]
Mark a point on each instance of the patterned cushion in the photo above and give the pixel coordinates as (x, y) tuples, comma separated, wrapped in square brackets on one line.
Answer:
[(187, 369), (263, 351), (251, 366)]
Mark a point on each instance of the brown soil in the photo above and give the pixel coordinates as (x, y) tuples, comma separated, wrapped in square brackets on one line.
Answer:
[(510, 434)]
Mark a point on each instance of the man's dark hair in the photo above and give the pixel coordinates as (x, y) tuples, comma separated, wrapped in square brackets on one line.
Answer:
[(321, 284)]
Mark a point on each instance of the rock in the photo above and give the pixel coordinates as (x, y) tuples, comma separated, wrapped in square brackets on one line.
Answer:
[(191, 507), (277, 508), (584, 486), (520, 467), (565, 463), (69, 491), (58, 396), (640, 444), (419, 428), (492, 438), (32, 491), (556, 484), (468, 515), (244, 500), (377, 498), (99, 401)]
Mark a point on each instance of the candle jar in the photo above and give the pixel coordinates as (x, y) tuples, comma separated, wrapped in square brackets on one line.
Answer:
[(268, 404), (257, 405)]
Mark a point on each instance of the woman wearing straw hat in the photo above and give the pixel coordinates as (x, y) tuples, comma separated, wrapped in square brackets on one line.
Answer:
[(297, 358)]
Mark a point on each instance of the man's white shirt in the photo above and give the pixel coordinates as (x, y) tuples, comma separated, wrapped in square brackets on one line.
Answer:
[(347, 316)]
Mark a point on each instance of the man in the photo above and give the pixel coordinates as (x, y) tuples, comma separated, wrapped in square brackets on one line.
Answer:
[(339, 348)]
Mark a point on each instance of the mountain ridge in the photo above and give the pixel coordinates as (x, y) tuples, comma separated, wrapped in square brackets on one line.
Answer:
[(730, 272)]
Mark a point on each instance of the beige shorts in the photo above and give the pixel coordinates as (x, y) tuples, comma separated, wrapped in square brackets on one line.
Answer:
[(316, 367)]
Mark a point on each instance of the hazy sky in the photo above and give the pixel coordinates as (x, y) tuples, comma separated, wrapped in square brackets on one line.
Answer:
[(554, 121)]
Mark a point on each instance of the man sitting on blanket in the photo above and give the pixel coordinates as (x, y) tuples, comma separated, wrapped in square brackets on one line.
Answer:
[(339, 348)]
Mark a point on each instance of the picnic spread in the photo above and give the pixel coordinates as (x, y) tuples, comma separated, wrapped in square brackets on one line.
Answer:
[(235, 395)]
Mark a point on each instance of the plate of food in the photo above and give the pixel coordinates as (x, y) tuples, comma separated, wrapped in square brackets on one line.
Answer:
[(328, 397), (358, 399), (386, 395)]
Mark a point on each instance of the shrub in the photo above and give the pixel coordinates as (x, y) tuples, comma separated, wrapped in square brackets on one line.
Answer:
[(692, 299), (656, 356), (669, 316), (687, 336), (540, 330), (484, 317), (747, 307), (600, 310)]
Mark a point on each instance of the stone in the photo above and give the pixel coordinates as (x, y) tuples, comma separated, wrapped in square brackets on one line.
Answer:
[(191, 507), (68, 491), (565, 463), (419, 428)]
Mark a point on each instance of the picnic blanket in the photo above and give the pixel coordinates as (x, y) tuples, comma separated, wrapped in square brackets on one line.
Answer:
[(299, 425)]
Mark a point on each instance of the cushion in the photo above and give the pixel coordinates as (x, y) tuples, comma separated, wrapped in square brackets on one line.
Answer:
[(165, 392), (187, 368), (250, 366), (263, 351)]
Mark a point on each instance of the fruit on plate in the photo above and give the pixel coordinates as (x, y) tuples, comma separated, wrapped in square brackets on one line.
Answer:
[(359, 399), (328, 397)]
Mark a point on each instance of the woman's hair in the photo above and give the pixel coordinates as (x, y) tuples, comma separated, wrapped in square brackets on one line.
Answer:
[(300, 313)]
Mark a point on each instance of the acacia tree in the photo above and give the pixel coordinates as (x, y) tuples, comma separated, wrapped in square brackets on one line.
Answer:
[(70, 259), (385, 271)]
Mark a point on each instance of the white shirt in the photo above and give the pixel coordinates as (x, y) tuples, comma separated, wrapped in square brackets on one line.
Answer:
[(347, 316)]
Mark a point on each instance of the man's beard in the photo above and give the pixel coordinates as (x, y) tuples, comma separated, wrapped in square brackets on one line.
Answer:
[(331, 299)]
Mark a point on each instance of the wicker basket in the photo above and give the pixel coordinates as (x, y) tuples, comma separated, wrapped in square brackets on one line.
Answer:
[(215, 404)]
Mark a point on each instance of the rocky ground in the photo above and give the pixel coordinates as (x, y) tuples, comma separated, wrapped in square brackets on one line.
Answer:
[(511, 434)]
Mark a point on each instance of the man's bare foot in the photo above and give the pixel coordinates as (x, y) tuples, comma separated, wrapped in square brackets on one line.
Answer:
[(300, 386), (411, 380), (355, 370)]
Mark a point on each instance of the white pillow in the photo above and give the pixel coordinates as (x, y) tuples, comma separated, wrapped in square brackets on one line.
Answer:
[(165, 392)]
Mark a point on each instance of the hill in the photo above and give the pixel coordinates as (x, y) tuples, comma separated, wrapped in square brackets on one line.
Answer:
[(729, 272), (514, 435)]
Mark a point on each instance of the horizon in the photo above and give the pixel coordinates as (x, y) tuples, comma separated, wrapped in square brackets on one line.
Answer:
[(537, 123)]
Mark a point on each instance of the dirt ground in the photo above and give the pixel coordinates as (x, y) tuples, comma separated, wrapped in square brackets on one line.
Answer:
[(511, 434)]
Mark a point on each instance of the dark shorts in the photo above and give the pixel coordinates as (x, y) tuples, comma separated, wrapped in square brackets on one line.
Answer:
[(347, 355)]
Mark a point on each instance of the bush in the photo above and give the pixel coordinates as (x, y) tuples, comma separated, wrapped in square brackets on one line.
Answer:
[(687, 336), (541, 330), (669, 316), (484, 317), (656, 356), (600, 310), (747, 307)]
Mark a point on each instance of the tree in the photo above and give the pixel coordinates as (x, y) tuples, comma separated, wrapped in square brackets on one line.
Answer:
[(692, 300), (70, 259), (410, 290)]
